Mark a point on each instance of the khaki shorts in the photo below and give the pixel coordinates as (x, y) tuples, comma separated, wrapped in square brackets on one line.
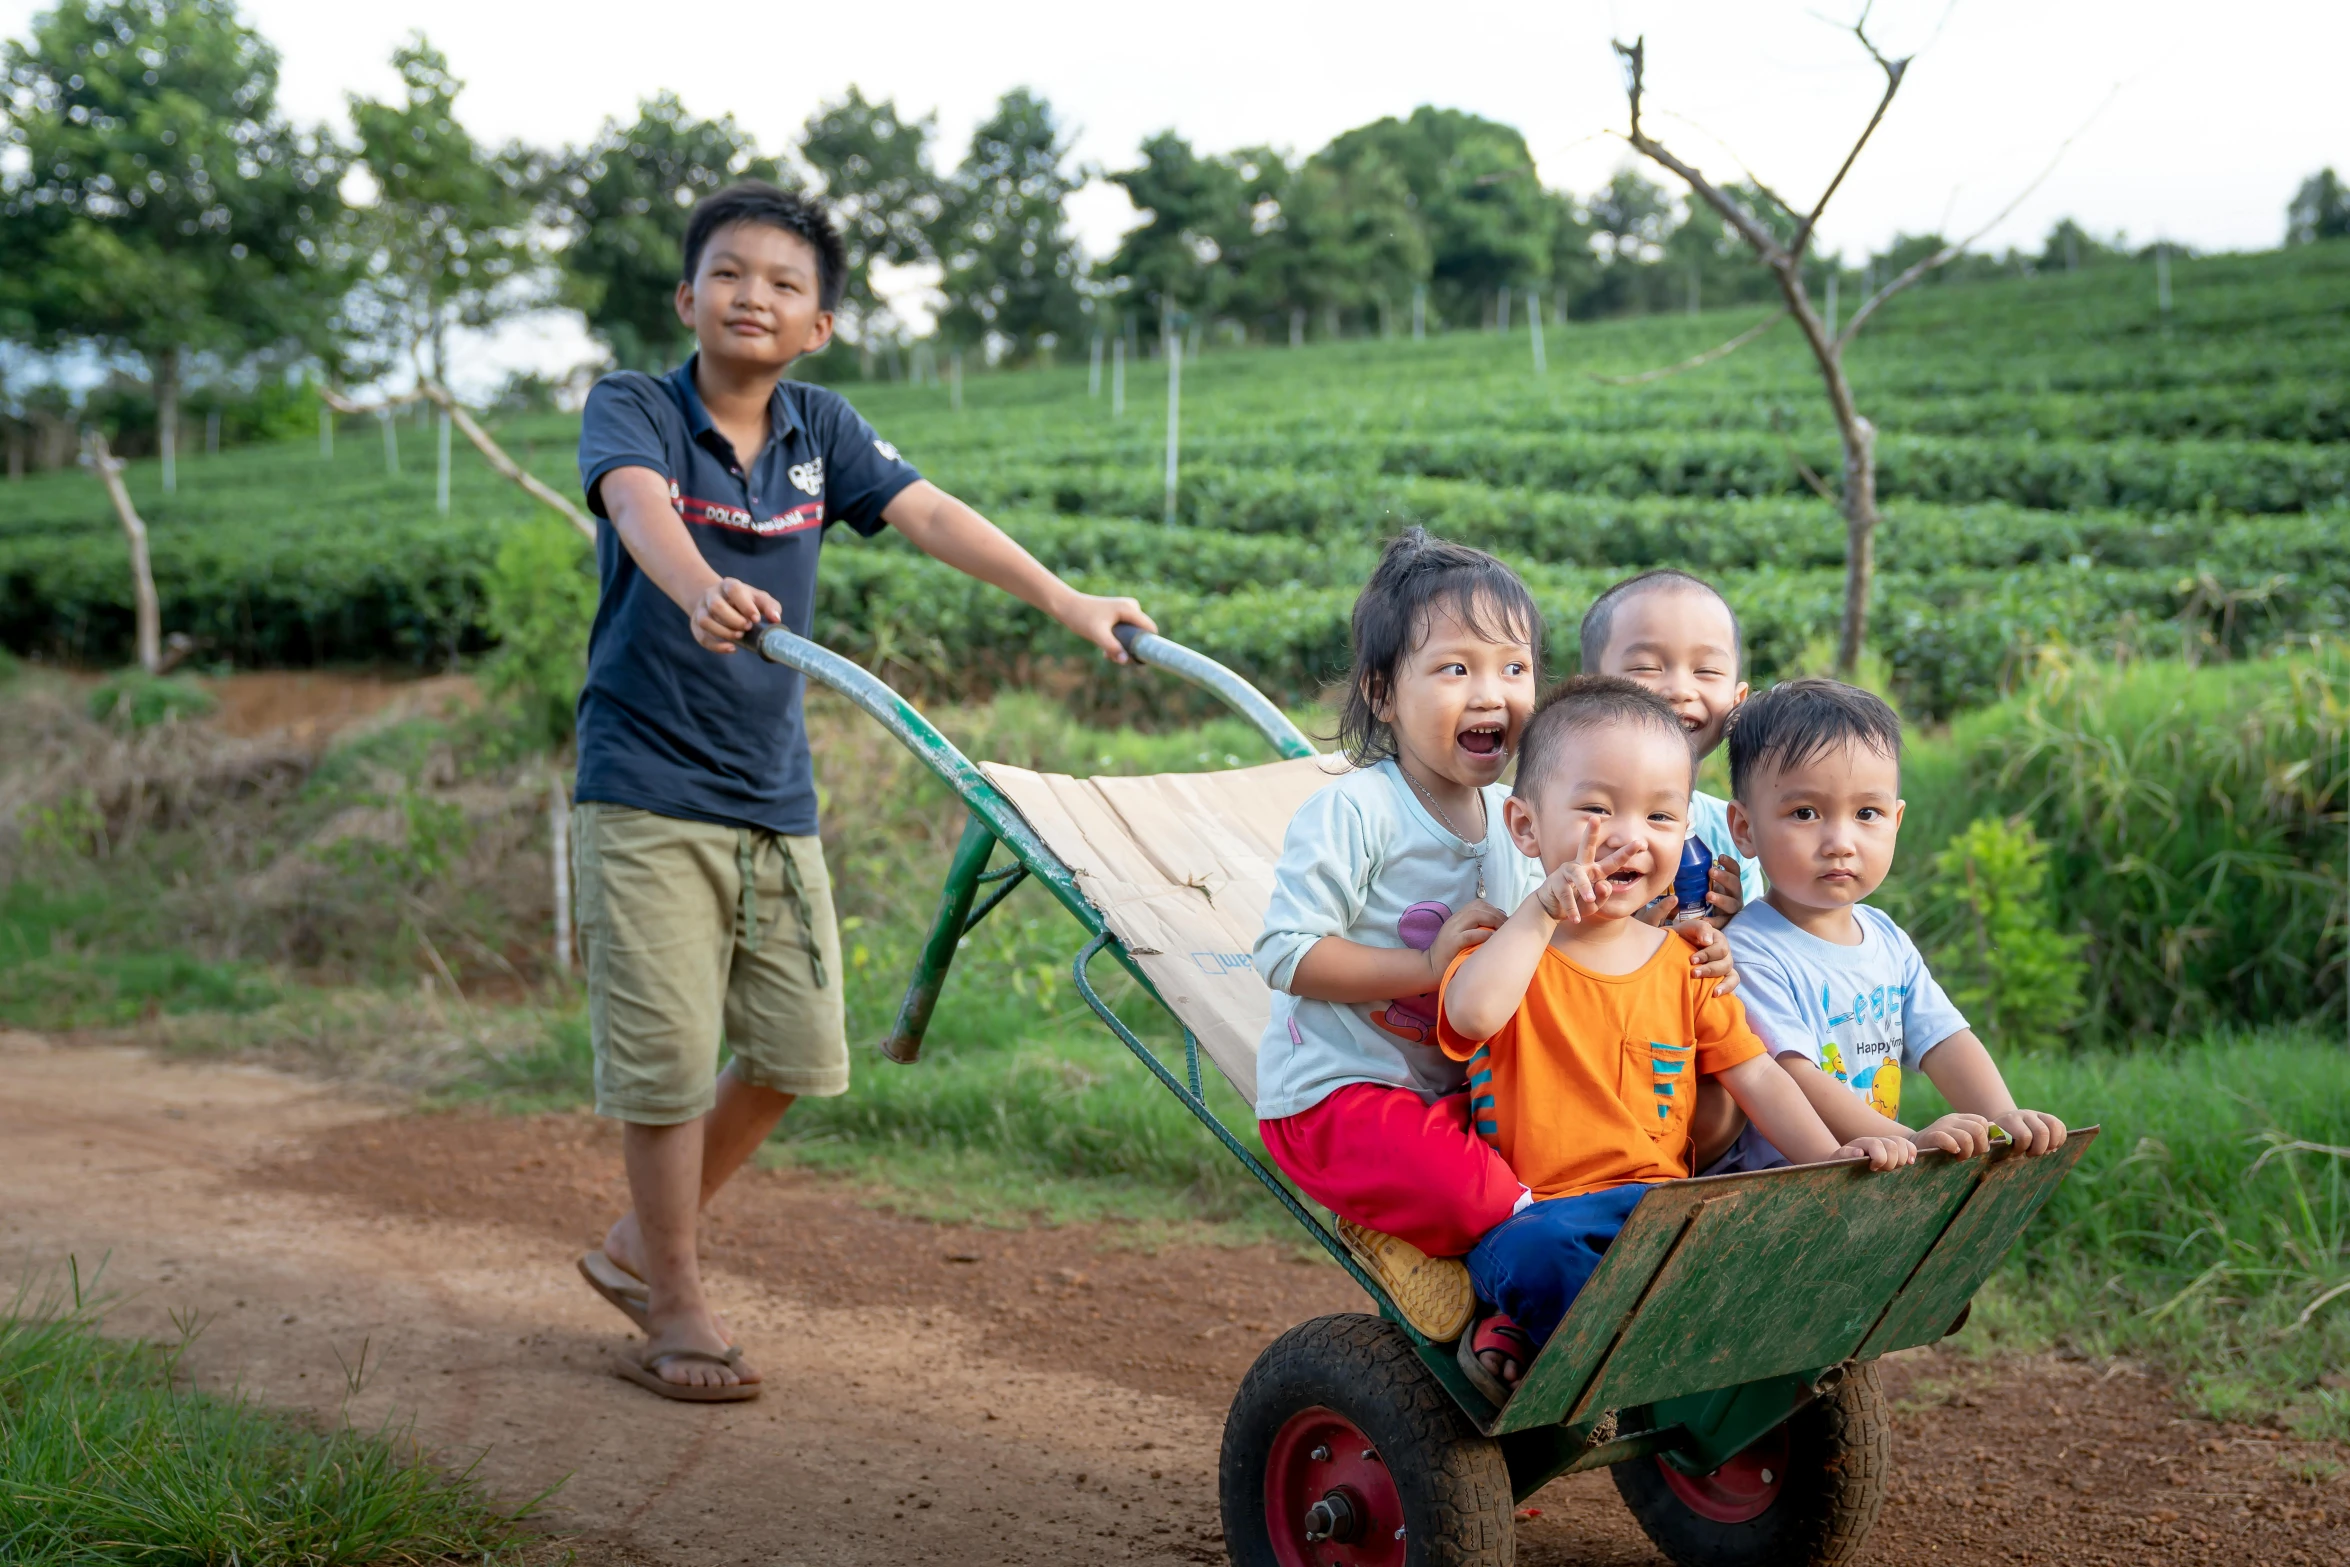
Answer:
[(678, 957)]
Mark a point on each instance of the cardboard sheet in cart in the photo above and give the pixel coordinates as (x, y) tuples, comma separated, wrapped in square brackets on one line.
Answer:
[(1181, 867)]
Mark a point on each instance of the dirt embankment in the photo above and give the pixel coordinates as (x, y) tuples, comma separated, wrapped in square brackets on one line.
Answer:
[(936, 1393)]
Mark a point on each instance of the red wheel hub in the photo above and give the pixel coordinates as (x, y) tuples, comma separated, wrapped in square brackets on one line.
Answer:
[(1743, 1488), (1329, 1500)]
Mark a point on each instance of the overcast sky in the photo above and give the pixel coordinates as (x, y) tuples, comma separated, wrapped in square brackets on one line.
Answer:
[(2211, 114)]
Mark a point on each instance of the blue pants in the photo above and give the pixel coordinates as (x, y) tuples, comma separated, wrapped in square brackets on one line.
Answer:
[(1535, 1264)]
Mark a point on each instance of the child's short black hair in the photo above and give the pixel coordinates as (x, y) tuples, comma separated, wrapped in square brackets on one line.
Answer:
[(756, 201), (1797, 722), (1600, 619), (1416, 575), (1588, 702)]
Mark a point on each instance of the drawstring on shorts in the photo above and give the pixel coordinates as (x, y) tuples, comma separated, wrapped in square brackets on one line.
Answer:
[(746, 914)]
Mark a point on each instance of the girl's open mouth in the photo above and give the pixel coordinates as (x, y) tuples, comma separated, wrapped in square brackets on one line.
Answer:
[(1627, 878), (1481, 740)]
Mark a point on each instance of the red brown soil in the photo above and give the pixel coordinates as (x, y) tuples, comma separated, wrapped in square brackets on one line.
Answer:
[(937, 1393), (310, 707)]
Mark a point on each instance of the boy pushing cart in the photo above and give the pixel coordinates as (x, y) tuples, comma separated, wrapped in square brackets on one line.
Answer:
[(705, 907)]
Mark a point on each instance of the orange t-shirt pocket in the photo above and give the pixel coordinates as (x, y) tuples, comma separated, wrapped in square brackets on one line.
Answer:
[(1658, 1085)]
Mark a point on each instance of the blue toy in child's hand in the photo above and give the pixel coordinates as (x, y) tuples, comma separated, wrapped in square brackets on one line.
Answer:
[(1693, 882)]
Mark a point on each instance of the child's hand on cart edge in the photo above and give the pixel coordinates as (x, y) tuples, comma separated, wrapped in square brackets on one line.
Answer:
[(1967, 1136), (1882, 1153), (728, 611), (2031, 1132), (1097, 619)]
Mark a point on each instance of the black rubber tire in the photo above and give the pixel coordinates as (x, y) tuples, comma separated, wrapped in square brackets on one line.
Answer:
[(1453, 1482), (1840, 1455)]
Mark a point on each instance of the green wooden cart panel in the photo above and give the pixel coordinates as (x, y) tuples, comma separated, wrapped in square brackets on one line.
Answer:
[(2010, 1194), (1733, 1279), (1780, 1273), (1559, 1374)]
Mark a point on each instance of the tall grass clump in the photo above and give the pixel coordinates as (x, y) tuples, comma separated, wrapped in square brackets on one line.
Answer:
[(2194, 819), (2208, 1227), (107, 1457)]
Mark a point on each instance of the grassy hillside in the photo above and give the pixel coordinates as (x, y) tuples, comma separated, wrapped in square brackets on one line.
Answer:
[(2060, 465)]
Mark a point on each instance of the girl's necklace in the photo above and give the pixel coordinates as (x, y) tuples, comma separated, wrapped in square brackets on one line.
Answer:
[(1430, 801)]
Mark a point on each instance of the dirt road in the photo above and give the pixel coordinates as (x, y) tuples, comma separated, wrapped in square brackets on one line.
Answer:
[(936, 1394)]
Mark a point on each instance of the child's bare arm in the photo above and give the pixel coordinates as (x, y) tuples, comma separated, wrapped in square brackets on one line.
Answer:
[(1781, 1113), (720, 609), (1849, 1116), (1970, 1080), (1335, 969), (945, 529)]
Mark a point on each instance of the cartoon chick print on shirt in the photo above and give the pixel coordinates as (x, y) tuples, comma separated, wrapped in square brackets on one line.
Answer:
[(1870, 1066)]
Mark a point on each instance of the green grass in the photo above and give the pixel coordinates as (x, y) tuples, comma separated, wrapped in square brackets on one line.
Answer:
[(50, 979), (2207, 1229), (107, 1457)]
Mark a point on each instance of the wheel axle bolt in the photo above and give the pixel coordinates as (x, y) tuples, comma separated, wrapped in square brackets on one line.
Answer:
[(1370, 1455), (1768, 1477)]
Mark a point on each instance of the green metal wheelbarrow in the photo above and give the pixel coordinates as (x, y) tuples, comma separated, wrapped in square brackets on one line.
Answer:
[(1721, 1361)]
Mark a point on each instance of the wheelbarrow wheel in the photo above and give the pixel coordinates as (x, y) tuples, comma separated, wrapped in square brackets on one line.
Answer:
[(1805, 1496), (1342, 1447)]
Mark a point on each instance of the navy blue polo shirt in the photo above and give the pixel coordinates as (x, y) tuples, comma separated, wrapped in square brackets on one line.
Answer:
[(665, 724)]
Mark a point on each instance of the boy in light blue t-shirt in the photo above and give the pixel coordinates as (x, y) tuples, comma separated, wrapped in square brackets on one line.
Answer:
[(1836, 990)]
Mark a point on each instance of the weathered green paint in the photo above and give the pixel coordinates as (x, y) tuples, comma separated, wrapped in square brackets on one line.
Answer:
[(1782, 1270), (1556, 1380), (1719, 1283), (904, 1044), (2012, 1191)]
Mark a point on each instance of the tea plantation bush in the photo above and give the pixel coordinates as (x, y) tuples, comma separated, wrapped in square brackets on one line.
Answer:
[(2061, 467)]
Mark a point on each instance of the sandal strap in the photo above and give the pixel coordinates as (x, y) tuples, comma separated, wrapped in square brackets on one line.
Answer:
[(733, 1354)]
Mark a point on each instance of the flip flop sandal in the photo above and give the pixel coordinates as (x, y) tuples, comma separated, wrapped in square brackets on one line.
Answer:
[(626, 1292), (1500, 1334), (1433, 1293), (646, 1373)]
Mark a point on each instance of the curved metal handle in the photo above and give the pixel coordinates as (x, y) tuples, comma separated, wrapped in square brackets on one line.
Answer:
[(1148, 647)]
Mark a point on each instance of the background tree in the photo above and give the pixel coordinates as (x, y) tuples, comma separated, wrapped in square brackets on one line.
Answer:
[(447, 239), (1002, 239), (1781, 241), (1485, 217), (2320, 210), (622, 202), (1350, 237), (875, 165), (178, 211), (1199, 240)]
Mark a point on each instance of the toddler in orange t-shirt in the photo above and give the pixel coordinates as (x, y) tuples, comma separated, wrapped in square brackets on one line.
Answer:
[(1584, 1033)]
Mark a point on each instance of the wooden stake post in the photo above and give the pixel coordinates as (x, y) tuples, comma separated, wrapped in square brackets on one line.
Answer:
[(1174, 414)]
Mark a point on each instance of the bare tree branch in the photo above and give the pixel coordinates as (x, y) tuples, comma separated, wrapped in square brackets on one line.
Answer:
[(1819, 486), (1956, 248), (428, 390), (1700, 360), (1894, 71), (1734, 213), (147, 613)]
